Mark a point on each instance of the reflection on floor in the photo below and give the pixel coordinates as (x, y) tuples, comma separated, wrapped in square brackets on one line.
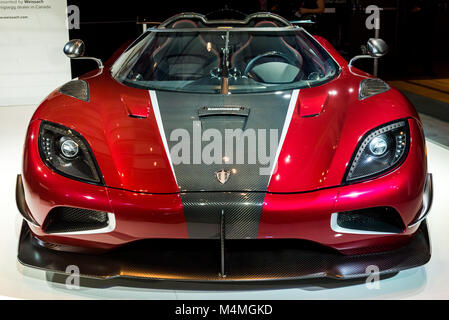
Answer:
[(437, 89), (436, 129), (16, 281)]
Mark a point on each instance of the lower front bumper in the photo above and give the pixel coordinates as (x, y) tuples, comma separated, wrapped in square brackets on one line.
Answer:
[(246, 260)]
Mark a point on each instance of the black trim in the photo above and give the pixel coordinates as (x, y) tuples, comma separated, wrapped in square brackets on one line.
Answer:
[(21, 202), (387, 170), (428, 193), (72, 220), (311, 115), (246, 260), (375, 219), (222, 245), (79, 136), (210, 111), (137, 117), (267, 90)]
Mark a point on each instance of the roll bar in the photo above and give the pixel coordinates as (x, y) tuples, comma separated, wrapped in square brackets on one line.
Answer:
[(204, 20)]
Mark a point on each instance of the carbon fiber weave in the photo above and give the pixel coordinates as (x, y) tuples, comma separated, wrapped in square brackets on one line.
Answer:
[(68, 219), (180, 110), (78, 89), (242, 212), (246, 260), (242, 209)]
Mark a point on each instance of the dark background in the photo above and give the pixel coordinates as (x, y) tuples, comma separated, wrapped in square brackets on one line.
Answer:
[(418, 39)]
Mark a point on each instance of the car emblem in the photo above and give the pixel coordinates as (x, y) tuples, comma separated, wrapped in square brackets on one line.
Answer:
[(223, 176)]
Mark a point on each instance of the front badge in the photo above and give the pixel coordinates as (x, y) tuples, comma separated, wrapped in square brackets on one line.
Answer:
[(223, 176)]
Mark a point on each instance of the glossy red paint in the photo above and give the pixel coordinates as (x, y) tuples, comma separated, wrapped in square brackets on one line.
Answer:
[(129, 151), (317, 149), (313, 102), (307, 215), (138, 108), (303, 215), (304, 191), (138, 216)]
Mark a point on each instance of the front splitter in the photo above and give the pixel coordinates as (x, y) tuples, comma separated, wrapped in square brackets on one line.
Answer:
[(246, 260)]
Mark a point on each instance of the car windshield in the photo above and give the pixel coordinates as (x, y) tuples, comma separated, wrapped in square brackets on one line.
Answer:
[(244, 60)]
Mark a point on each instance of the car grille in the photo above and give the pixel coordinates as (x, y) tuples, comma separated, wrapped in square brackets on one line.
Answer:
[(379, 219)]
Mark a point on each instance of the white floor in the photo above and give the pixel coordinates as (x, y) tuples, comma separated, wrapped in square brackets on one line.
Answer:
[(17, 282)]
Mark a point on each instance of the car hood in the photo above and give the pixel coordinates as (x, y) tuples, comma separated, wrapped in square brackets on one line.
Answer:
[(131, 131)]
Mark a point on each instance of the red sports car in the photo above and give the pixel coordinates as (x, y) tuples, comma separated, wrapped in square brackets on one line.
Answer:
[(225, 150)]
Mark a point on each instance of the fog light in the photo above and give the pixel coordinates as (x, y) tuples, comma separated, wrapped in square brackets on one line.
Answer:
[(378, 146), (69, 148)]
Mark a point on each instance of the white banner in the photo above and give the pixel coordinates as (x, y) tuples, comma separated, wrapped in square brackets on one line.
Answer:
[(32, 63)]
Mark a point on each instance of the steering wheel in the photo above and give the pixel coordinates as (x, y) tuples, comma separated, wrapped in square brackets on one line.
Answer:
[(281, 55)]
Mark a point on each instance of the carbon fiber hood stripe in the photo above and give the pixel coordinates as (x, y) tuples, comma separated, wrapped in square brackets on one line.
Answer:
[(180, 111), (203, 197)]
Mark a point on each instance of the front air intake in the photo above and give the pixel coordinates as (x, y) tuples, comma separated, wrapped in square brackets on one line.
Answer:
[(79, 221), (372, 220)]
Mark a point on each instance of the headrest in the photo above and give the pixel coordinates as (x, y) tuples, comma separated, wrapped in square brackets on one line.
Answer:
[(266, 24), (184, 24)]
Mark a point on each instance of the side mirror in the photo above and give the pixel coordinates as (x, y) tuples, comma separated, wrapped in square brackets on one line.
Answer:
[(74, 49), (375, 48)]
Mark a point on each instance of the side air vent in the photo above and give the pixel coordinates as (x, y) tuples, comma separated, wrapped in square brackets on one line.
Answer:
[(64, 220), (78, 89), (371, 87), (368, 221)]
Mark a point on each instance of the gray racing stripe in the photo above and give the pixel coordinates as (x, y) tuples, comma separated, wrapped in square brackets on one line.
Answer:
[(202, 195), (180, 111)]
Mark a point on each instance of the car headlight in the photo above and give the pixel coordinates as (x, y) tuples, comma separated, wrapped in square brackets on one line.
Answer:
[(66, 152), (379, 151)]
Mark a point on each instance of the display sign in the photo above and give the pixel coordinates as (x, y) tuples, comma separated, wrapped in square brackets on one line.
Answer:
[(32, 63)]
